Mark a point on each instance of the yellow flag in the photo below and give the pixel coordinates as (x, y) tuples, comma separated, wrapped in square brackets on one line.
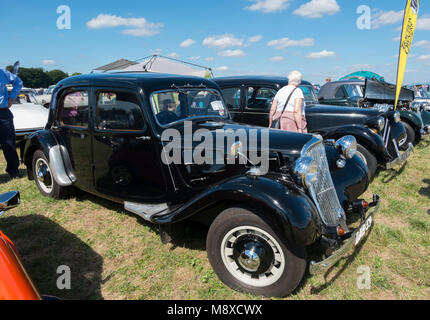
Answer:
[(408, 31)]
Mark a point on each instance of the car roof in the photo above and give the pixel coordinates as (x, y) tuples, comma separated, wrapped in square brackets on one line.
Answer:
[(250, 79), (328, 90), (148, 81)]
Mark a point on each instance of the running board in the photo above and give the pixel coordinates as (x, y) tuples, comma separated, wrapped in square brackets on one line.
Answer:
[(145, 210)]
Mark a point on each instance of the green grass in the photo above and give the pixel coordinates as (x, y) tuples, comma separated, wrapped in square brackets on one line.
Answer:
[(115, 255)]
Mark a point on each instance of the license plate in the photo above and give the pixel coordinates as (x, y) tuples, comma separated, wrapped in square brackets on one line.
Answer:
[(363, 229)]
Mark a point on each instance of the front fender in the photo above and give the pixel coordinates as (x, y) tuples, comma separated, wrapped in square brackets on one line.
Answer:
[(366, 137), (412, 119), (289, 212)]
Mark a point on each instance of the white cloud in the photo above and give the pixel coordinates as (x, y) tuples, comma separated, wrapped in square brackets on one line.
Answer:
[(396, 39), (422, 43), (193, 58), (382, 18), (173, 55), (423, 23), (321, 54), (187, 43), (268, 6), (277, 58), (210, 59), (48, 62), (285, 42), (222, 41), (255, 39), (138, 27), (232, 53), (424, 58), (223, 68), (317, 8)]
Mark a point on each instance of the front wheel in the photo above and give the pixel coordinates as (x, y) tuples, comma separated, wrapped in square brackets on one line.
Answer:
[(248, 255), (369, 159), (410, 137), (42, 174)]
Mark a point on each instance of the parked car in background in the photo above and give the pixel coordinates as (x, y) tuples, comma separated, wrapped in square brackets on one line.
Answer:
[(45, 98), (28, 115), (109, 134), (380, 95), (15, 283), (249, 99)]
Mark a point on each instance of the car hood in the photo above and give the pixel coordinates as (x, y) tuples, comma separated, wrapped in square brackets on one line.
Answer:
[(29, 116), (360, 112)]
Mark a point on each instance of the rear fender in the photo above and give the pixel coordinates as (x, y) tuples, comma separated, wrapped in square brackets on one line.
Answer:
[(289, 212), (57, 154)]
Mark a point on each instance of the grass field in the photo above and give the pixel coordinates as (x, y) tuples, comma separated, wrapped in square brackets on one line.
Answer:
[(115, 255)]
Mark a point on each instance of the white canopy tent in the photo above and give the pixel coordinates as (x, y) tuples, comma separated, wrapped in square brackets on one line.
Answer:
[(160, 64)]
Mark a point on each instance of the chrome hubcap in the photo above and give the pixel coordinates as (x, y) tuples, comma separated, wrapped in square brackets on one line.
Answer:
[(252, 256), (44, 175)]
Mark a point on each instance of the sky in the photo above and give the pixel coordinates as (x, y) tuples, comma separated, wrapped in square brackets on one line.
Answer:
[(320, 38)]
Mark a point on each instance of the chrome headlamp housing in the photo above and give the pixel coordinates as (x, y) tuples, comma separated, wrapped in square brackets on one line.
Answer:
[(381, 123), (396, 116), (306, 169), (347, 146)]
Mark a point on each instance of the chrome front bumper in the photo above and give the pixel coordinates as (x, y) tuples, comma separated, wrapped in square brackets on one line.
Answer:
[(349, 245), (401, 158)]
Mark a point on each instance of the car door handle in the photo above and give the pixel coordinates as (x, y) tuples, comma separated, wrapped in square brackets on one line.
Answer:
[(144, 138)]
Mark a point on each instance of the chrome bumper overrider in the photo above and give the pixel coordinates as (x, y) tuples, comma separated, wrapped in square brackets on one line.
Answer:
[(349, 244), (401, 158)]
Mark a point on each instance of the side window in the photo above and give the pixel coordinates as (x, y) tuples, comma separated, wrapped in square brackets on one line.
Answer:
[(232, 98), (118, 111), (74, 110), (340, 93), (260, 98)]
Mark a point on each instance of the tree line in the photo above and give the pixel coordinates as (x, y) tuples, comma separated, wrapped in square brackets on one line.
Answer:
[(39, 78)]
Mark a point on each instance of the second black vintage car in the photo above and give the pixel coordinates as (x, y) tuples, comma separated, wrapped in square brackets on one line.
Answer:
[(370, 93), (379, 134), (117, 136)]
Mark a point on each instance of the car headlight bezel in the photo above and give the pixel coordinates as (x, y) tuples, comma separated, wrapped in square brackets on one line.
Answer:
[(381, 123), (347, 145), (306, 169)]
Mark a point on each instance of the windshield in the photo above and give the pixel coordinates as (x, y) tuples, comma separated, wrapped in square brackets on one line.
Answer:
[(354, 90), (182, 104), (25, 97), (310, 96), (49, 90)]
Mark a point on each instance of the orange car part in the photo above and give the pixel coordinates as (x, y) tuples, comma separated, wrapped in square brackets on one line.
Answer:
[(15, 284)]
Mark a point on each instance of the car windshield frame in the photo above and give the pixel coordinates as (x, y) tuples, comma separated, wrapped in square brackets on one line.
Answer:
[(184, 91), (314, 100), (28, 94)]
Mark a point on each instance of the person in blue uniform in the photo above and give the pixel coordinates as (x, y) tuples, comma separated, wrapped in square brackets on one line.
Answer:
[(7, 129)]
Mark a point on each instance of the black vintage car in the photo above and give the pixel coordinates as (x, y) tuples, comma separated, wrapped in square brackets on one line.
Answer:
[(370, 93), (117, 136), (379, 134)]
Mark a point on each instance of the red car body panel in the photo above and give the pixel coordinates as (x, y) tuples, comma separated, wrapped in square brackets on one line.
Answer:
[(15, 284)]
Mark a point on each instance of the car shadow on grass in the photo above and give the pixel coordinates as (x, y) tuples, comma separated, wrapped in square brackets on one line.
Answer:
[(44, 246), (425, 191), (185, 234)]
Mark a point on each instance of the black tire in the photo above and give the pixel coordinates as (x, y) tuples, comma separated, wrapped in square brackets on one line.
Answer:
[(48, 187), (369, 159), (292, 258), (410, 136)]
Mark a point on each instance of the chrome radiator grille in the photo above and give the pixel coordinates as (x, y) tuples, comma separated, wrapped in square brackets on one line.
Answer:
[(324, 193)]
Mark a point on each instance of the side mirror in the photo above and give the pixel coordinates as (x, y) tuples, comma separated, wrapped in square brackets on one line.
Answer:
[(9, 200)]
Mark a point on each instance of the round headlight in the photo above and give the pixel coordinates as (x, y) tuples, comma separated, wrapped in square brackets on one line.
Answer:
[(348, 146), (396, 116), (307, 170), (381, 123)]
